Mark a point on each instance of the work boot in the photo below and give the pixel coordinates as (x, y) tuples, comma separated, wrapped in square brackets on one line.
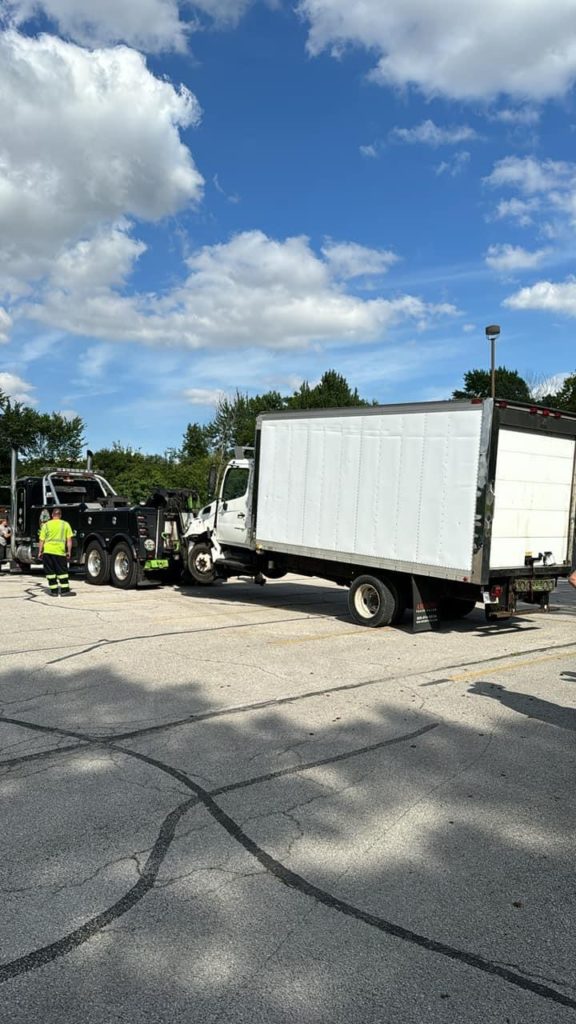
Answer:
[(67, 593)]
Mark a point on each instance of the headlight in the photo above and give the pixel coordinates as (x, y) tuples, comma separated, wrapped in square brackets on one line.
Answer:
[(149, 544)]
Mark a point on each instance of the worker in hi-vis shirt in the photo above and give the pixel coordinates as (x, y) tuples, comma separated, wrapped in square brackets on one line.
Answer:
[(55, 550)]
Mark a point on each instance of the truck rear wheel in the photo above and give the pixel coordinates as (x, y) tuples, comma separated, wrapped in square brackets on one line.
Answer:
[(201, 564), (125, 572), (371, 602), (97, 564)]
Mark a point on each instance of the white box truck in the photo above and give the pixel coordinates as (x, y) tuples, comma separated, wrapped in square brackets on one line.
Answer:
[(434, 506)]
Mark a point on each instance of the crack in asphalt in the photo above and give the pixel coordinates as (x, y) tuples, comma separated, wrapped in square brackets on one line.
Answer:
[(46, 954), (258, 779), (203, 716), (274, 867)]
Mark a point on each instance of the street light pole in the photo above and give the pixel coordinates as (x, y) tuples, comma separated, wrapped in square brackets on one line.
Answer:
[(492, 332)]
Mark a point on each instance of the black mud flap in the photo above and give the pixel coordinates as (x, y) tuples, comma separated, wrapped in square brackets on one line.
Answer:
[(425, 605)]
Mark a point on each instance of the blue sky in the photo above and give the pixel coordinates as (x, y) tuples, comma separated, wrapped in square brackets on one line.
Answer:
[(199, 197)]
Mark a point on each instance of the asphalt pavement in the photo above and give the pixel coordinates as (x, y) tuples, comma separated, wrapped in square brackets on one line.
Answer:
[(234, 805)]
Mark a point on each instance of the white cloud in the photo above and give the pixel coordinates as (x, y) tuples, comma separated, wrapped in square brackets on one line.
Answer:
[(546, 192), (232, 197), (516, 115), (149, 25), (546, 295), (17, 389), (77, 151), (520, 210), (202, 396), (508, 258), (430, 134), (5, 325), (94, 363), (549, 386), (38, 347), (369, 151), (455, 166), (531, 176), (348, 259), (455, 49), (98, 262), (250, 291), (223, 12)]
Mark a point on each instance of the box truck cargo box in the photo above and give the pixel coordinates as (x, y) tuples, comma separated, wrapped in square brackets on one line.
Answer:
[(477, 496)]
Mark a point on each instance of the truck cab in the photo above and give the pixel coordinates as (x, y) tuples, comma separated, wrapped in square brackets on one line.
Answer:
[(220, 536)]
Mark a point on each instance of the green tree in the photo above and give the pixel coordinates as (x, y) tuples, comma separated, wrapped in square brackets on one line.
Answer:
[(332, 392), (565, 398), (135, 475), (509, 384), (235, 420), (41, 438), (58, 440), (194, 443)]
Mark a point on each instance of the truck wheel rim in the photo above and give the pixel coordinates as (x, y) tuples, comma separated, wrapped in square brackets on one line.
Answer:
[(203, 564), (94, 563), (367, 601), (121, 566)]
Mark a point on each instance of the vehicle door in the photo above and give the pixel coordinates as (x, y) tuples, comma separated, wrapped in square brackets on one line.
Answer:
[(232, 526)]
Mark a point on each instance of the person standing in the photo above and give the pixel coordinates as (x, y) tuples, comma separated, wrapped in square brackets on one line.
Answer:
[(5, 535), (55, 551)]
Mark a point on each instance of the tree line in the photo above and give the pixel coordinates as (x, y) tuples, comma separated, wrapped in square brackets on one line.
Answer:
[(50, 439)]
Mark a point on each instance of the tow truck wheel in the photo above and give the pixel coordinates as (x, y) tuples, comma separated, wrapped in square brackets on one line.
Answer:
[(125, 571), (371, 602), (201, 565), (97, 564)]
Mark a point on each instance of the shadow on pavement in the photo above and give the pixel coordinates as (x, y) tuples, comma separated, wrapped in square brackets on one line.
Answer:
[(284, 876), (524, 704)]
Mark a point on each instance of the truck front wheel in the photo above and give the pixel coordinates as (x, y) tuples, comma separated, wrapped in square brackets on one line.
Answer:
[(371, 602), (125, 572), (97, 564), (201, 565)]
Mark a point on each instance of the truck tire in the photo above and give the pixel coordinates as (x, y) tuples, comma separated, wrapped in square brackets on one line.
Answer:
[(274, 574), (201, 565), (125, 571), (454, 608), (371, 602), (97, 564)]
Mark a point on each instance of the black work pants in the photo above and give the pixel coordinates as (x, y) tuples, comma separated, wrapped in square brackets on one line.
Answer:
[(56, 572)]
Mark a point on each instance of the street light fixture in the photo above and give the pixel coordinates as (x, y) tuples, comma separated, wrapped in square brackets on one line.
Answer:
[(492, 332)]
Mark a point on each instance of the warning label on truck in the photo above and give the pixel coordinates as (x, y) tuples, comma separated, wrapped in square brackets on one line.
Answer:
[(426, 614)]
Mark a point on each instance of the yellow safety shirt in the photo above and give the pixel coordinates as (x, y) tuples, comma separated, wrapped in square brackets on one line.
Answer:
[(55, 533)]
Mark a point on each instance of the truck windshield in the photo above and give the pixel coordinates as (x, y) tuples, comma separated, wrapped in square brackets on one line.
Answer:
[(235, 484)]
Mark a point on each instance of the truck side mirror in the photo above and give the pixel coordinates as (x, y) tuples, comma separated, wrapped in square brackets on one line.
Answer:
[(212, 480)]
